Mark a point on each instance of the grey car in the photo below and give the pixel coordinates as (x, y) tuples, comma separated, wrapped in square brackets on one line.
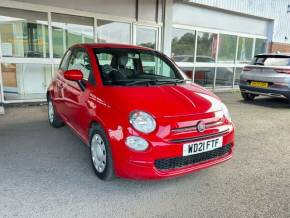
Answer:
[(268, 74)]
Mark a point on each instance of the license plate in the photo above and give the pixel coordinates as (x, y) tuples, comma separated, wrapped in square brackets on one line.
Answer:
[(202, 146), (259, 84)]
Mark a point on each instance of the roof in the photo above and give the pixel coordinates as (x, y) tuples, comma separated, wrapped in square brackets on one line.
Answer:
[(273, 55), (112, 45)]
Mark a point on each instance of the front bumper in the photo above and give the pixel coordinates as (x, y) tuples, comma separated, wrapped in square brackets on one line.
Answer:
[(143, 165)]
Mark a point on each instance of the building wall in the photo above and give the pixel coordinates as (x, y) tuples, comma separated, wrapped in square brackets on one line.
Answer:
[(272, 9)]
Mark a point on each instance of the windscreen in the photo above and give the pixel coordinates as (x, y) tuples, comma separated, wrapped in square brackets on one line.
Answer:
[(132, 67), (272, 61)]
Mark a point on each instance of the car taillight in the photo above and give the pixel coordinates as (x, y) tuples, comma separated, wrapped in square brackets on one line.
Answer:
[(286, 71), (247, 69)]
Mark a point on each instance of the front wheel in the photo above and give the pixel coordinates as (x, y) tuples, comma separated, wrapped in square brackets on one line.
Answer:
[(101, 155), (248, 96), (53, 117)]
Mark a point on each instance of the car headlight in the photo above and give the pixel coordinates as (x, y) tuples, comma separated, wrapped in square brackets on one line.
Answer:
[(136, 143), (226, 112), (142, 121)]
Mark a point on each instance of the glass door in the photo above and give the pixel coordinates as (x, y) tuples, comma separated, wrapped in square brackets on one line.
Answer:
[(146, 36)]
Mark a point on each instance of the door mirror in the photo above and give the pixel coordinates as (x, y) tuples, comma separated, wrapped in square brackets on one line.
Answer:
[(73, 75)]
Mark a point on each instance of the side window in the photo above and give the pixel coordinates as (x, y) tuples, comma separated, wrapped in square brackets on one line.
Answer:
[(80, 61), (65, 61)]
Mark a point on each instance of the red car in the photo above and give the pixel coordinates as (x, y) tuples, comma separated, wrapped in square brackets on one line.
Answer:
[(138, 112)]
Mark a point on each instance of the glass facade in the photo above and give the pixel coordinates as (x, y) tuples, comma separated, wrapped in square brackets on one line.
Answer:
[(32, 44), (204, 76), (146, 37), (206, 49), (245, 50), (29, 58), (213, 60), (227, 48), (25, 81), (114, 32), (68, 30), (23, 33), (182, 45)]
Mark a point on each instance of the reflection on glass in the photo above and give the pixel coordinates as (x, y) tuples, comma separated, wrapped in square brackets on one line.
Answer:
[(224, 76), (25, 81), (237, 75), (68, 30), (146, 37), (182, 45), (23, 33), (245, 49), (188, 71), (114, 32), (260, 46), (204, 76), (206, 47), (227, 48)]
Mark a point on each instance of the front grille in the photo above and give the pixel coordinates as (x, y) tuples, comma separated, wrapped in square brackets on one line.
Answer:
[(177, 162), (199, 137)]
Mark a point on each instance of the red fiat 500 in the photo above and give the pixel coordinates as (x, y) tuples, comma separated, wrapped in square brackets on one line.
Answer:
[(138, 112)]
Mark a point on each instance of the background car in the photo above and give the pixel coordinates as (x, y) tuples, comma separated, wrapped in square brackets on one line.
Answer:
[(138, 113), (268, 75)]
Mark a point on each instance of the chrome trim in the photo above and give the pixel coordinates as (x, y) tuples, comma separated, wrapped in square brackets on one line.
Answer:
[(200, 137), (192, 128)]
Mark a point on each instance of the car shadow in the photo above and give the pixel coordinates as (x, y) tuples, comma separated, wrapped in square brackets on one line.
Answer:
[(269, 102)]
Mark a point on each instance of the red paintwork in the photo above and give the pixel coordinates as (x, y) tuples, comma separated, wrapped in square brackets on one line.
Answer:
[(73, 75), (172, 106)]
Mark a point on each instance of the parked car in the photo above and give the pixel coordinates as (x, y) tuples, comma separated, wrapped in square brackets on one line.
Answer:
[(138, 113), (268, 75)]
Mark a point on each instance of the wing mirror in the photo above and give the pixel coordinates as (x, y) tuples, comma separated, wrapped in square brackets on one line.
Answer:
[(75, 75)]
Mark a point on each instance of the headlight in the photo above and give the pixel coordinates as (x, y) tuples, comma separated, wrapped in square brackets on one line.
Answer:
[(142, 121), (136, 143), (226, 112)]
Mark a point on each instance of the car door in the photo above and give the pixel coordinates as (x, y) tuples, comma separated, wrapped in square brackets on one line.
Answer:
[(76, 97), (60, 82)]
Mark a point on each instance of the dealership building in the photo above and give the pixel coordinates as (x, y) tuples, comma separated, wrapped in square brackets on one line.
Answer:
[(210, 40)]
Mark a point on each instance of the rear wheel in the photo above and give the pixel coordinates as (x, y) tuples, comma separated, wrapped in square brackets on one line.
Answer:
[(101, 155), (53, 117), (248, 96)]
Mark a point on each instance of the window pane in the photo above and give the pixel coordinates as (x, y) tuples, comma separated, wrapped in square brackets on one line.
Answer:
[(237, 76), (80, 61), (182, 45), (146, 37), (25, 81), (68, 30), (188, 71), (156, 66), (227, 48), (114, 32), (206, 47), (23, 33), (245, 49), (260, 46), (224, 76), (204, 76)]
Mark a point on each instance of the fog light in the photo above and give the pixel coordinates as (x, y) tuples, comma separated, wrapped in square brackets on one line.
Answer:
[(136, 143)]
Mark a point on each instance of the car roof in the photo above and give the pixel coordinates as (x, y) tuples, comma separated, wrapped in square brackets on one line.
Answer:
[(112, 45), (283, 55)]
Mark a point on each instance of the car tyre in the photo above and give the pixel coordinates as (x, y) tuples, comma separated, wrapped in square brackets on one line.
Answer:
[(53, 117), (248, 96), (101, 155)]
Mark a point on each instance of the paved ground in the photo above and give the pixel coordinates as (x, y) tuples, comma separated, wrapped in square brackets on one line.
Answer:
[(45, 172)]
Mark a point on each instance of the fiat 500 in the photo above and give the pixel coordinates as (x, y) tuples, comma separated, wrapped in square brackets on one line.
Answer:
[(138, 112)]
